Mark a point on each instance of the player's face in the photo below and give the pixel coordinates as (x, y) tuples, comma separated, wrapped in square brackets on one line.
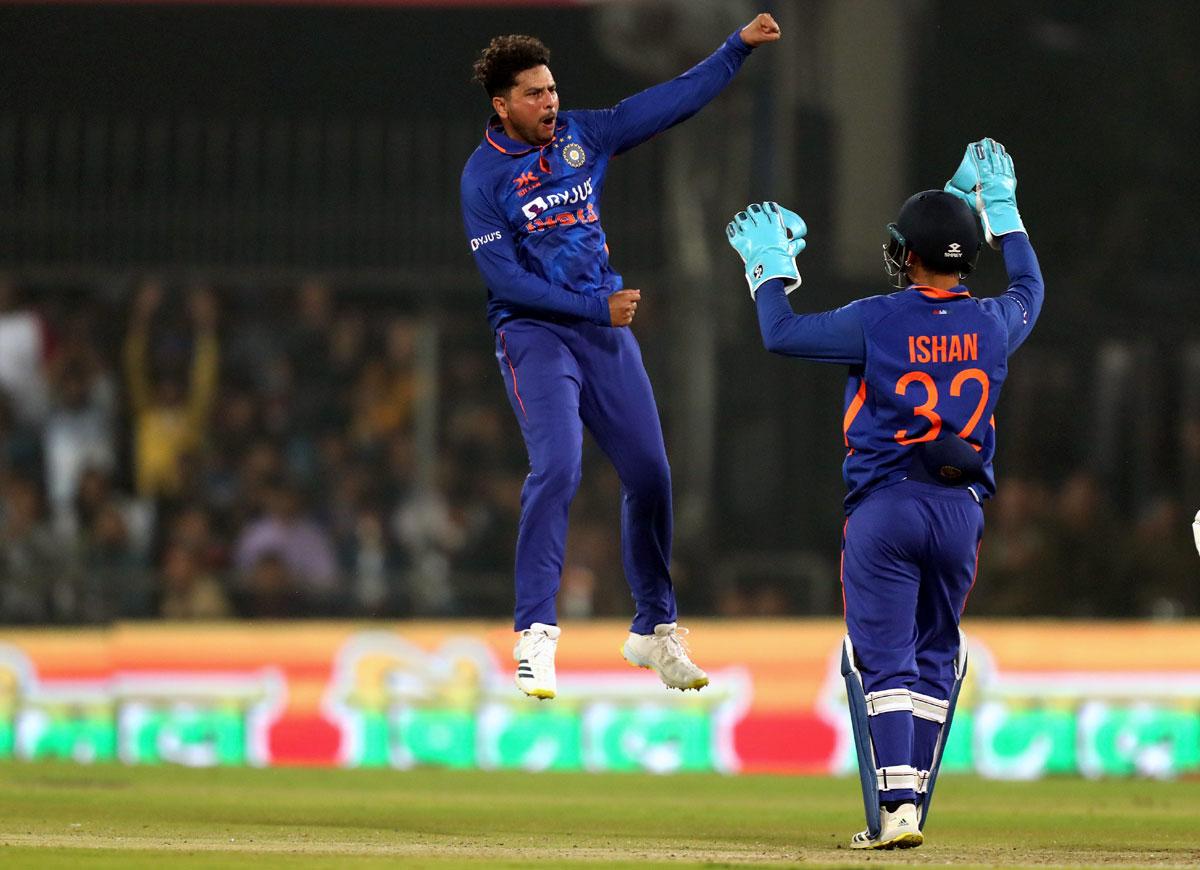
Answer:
[(530, 109)]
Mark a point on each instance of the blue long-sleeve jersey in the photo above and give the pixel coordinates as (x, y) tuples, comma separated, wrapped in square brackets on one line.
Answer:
[(922, 362), (532, 215)]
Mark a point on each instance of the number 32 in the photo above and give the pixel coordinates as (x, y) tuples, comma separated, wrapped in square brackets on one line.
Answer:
[(926, 409)]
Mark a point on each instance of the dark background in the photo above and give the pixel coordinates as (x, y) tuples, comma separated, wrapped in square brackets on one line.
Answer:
[(250, 146)]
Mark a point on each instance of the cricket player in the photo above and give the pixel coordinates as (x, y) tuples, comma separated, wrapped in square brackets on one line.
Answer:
[(926, 367), (560, 313)]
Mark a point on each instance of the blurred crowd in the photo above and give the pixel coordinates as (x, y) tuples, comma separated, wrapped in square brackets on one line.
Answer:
[(185, 453), (1066, 551), (182, 453)]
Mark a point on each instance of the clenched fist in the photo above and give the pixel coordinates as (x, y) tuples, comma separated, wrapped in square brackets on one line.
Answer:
[(622, 305), (761, 29)]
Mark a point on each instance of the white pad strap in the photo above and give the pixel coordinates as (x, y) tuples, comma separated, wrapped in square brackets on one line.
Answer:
[(896, 776), (922, 781), (889, 701), (930, 709)]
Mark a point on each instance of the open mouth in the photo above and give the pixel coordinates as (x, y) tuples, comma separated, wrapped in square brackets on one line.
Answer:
[(547, 123)]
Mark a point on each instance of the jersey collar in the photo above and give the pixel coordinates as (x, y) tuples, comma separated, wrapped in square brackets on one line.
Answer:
[(495, 136), (960, 292)]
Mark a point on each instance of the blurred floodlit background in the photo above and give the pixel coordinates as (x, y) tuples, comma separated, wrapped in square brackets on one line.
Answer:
[(244, 367)]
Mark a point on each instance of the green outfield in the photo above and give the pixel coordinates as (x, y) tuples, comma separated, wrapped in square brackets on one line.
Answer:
[(60, 815)]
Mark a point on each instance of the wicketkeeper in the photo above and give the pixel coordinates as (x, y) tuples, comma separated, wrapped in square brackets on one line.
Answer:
[(926, 367)]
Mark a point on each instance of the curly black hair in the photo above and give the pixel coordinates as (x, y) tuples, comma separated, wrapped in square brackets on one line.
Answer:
[(505, 58)]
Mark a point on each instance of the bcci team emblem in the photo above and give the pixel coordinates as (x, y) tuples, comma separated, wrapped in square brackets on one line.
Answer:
[(574, 154)]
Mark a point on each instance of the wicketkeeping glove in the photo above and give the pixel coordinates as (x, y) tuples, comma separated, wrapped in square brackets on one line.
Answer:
[(768, 237), (987, 182)]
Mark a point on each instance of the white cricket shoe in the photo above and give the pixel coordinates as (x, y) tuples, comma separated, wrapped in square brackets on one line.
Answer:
[(898, 830), (664, 651), (534, 654)]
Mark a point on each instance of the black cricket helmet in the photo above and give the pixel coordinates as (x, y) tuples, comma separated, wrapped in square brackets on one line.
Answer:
[(939, 228)]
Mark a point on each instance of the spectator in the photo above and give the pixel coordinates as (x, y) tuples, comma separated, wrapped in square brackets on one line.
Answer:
[(285, 532), (79, 434), (1082, 568), (169, 420), (431, 534), (347, 351), (97, 494), (308, 345), (26, 347), (269, 591), (38, 573), (115, 582), (387, 387), (1160, 563), (19, 445), (188, 591), (374, 564), (1013, 576)]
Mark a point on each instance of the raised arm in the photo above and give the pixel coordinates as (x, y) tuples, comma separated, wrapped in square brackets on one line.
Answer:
[(1021, 304), (768, 237), (146, 301), (202, 392), (637, 118), (496, 256), (986, 180)]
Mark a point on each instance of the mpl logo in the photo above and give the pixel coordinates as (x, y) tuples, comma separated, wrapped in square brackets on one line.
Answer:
[(955, 250), (570, 196), (534, 207)]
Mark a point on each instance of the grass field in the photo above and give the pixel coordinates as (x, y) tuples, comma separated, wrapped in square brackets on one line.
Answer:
[(61, 815)]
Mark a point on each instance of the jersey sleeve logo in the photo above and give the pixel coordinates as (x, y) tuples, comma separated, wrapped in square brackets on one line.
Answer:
[(479, 241), (574, 155)]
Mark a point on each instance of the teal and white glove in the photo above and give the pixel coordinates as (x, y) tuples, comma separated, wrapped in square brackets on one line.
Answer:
[(768, 237), (987, 182)]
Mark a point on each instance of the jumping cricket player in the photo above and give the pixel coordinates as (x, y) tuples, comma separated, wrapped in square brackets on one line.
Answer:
[(926, 367), (560, 314)]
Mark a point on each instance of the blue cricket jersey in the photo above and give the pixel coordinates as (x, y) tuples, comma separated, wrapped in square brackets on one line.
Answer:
[(532, 214), (922, 362)]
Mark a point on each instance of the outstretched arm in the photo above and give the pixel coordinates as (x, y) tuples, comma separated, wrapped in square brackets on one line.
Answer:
[(830, 336), (637, 118), (768, 238)]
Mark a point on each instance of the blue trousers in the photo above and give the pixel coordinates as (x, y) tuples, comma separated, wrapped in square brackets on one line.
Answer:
[(909, 556), (561, 378)]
